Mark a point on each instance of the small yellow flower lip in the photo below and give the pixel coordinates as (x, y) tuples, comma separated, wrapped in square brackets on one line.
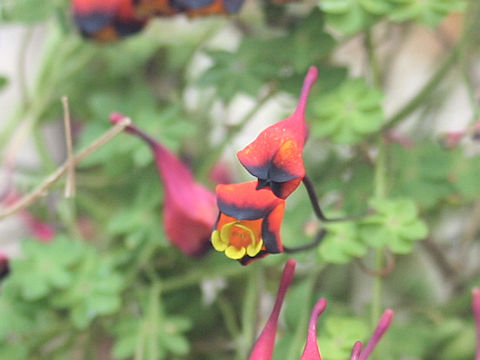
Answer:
[(236, 239), (217, 242), (233, 253)]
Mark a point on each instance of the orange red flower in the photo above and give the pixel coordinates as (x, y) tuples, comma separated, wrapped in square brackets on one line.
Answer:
[(275, 156), (248, 226), (110, 20), (106, 20)]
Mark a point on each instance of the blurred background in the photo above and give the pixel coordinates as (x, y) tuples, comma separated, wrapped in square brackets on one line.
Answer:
[(394, 130)]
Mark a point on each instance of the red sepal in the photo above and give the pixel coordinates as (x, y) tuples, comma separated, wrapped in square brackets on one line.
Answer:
[(275, 156), (244, 202)]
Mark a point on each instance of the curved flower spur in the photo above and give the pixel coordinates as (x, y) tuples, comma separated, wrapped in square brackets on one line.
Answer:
[(275, 156), (263, 348), (189, 208)]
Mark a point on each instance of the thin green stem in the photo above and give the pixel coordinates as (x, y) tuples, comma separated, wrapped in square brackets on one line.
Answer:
[(377, 288), (380, 171), (425, 92), (228, 313), (372, 57), (42, 150), (454, 54), (154, 313), (380, 193), (197, 275), (249, 313), (22, 56), (471, 20)]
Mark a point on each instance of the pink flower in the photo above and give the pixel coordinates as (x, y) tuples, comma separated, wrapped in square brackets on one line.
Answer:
[(356, 351), (190, 209), (41, 230), (451, 139), (263, 348), (381, 329), (4, 265), (311, 347), (476, 315)]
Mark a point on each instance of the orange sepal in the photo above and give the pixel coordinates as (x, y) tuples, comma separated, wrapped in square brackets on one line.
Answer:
[(275, 156)]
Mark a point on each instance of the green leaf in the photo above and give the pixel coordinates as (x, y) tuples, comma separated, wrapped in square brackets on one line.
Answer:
[(463, 176), (151, 327), (338, 335), (351, 16), (342, 243), (237, 72), (395, 224), (15, 313), (168, 125), (426, 12), (349, 114), (309, 43), (423, 172), (9, 350), (3, 82), (95, 290), (30, 11), (45, 267)]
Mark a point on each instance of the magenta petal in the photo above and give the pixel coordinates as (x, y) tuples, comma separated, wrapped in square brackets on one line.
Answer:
[(190, 209), (356, 351), (40, 230), (263, 348), (476, 315), (382, 327), (311, 351), (4, 265)]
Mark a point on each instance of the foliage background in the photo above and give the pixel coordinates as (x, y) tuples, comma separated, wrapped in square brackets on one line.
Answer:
[(110, 286)]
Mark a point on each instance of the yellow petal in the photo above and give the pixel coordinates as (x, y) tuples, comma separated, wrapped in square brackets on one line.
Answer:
[(233, 253), (254, 249), (225, 232), (217, 242)]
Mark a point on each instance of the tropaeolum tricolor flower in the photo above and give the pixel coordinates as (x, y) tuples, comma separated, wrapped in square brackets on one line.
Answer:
[(263, 348), (106, 20), (275, 156), (248, 226), (4, 265), (476, 315), (189, 208)]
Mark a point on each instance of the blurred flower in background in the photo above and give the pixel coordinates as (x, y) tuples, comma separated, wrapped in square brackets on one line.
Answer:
[(189, 208)]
